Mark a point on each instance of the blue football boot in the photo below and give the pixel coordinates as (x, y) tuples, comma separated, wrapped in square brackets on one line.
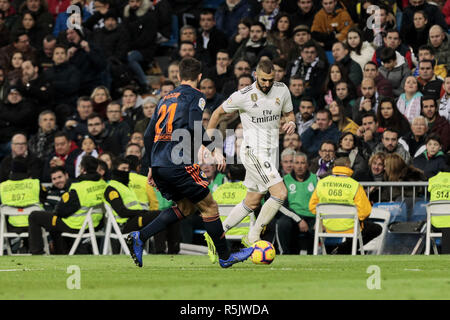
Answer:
[(236, 257), (136, 247)]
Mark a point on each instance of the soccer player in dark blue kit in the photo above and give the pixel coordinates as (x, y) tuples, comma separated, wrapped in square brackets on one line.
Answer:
[(183, 183)]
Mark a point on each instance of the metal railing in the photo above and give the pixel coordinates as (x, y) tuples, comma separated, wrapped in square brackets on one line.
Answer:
[(390, 184)]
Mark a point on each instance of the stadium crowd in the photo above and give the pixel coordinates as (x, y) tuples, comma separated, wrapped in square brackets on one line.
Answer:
[(368, 83)]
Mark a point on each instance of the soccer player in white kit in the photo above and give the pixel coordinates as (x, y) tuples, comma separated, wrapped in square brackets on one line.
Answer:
[(261, 107)]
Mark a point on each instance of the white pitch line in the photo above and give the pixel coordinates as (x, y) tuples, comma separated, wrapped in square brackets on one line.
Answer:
[(12, 270)]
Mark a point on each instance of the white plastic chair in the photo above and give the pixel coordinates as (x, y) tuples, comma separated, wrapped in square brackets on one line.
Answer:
[(336, 211), (435, 209), (4, 234), (111, 223), (82, 234), (382, 218)]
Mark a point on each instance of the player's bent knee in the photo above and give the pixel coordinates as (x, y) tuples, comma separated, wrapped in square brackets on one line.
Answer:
[(210, 210)]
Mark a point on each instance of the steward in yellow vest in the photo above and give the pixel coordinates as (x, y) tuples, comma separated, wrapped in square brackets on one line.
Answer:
[(439, 188), (18, 192), (340, 188), (145, 193), (71, 211)]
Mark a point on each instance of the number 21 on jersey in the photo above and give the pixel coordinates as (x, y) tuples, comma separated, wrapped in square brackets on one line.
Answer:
[(163, 112)]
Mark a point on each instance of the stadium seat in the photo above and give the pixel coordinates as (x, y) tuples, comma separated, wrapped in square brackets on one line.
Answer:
[(381, 217), (435, 208), (212, 4), (329, 56), (336, 211), (398, 210), (4, 234), (419, 211), (91, 234), (117, 234)]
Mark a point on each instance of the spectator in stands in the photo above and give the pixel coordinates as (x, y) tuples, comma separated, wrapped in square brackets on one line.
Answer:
[(20, 42), (388, 116), (19, 148), (341, 54), (432, 160), (292, 141), (408, 103), (60, 184), (305, 118), (279, 65), (300, 183), (131, 106), (304, 14), (172, 72), (115, 124), (429, 84), (148, 108), (16, 115), (414, 141), (188, 33), (393, 40), (436, 123), (65, 153), (229, 14), (348, 147), (9, 13), (39, 10), (185, 49), (269, 12), (396, 169), (376, 173), (309, 67), (100, 99), (340, 120), (345, 95), (439, 40), (88, 148), (417, 33), (76, 124), (368, 102), (426, 52), (384, 87), (166, 87), (444, 103), (213, 99), (287, 161), (241, 36), (42, 143), (221, 72), (34, 31), (105, 137), (280, 34), (301, 35), (434, 16), (337, 72), (331, 23), (35, 87), (297, 90), (240, 68), (322, 129), (383, 21), (88, 58), (97, 18), (14, 71), (322, 164), (45, 55), (360, 51), (64, 77), (389, 144), (368, 133), (140, 22), (394, 69), (210, 39)]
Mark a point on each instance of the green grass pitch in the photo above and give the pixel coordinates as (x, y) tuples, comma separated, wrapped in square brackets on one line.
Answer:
[(182, 277)]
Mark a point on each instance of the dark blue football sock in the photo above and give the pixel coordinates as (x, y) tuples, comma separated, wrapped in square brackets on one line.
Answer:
[(213, 226), (164, 219)]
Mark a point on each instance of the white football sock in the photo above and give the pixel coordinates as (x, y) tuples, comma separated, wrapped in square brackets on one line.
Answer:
[(268, 211), (237, 214)]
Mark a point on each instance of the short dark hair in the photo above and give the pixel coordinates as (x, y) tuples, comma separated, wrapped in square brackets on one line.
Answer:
[(427, 47), (427, 97), (94, 115), (89, 163), (190, 68), (133, 162), (308, 99), (369, 114), (328, 142), (427, 61), (372, 63), (389, 129), (258, 23), (282, 63), (64, 134), (387, 54), (118, 161), (58, 168), (327, 112), (265, 66), (435, 137)]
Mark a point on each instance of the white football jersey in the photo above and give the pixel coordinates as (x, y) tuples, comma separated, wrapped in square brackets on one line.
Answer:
[(260, 113)]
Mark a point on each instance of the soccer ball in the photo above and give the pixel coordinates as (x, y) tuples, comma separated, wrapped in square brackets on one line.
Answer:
[(264, 252)]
